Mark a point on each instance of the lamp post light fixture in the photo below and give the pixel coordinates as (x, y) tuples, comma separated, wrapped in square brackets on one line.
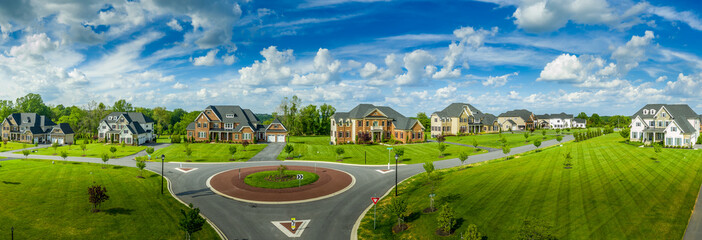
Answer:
[(163, 157), (396, 175)]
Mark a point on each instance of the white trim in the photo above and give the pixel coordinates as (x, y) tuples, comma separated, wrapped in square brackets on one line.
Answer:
[(269, 125), (201, 113), (298, 232), (376, 109)]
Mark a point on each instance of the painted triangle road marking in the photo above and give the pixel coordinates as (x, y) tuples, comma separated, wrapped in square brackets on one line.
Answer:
[(384, 171), (286, 227), (186, 170)]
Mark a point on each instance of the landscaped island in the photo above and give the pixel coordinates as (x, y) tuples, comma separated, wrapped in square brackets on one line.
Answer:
[(42, 199), (612, 191), (208, 152), (281, 178)]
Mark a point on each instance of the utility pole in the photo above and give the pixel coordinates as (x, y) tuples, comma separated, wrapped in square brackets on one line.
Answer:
[(396, 175), (163, 157)]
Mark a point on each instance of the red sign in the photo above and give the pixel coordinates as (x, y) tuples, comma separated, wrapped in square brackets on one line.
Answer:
[(375, 200)]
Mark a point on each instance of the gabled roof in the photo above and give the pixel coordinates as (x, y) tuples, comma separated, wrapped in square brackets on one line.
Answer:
[(240, 115), (579, 120), (135, 128), (521, 113), (32, 120), (65, 128), (455, 110), (191, 126), (679, 112), (362, 110), (555, 116), (488, 118), (129, 116)]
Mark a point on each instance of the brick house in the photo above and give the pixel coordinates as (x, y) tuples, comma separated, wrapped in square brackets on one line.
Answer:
[(35, 128), (380, 122), (234, 124), (462, 118), (126, 127)]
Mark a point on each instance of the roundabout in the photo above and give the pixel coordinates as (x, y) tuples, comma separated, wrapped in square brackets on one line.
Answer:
[(265, 185)]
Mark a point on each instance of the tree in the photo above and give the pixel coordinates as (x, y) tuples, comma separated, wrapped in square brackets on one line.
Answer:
[(64, 155), (446, 219), (83, 146), (191, 222), (567, 164), (657, 149), (26, 153), (543, 133), (463, 156), (6, 108), (475, 144), (526, 136), (506, 150), (442, 148), (113, 150), (537, 143), (625, 133), (188, 152), (472, 233), (595, 120), (232, 150), (399, 151), (535, 229), (55, 147), (97, 195), (150, 150), (105, 158), (339, 152), (423, 119), (582, 115), (559, 138), (122, 106), (32, 103), (428, 168), (281, 170), (503, 140), (398, 209), (141, 165), (558, 131), (244, 144), (440, 138)]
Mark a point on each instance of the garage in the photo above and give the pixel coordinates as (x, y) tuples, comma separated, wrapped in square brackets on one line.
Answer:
[(281, 138), (271, 138)]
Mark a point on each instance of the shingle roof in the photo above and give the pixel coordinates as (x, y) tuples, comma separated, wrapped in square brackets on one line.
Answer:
[(136, 128), (522, 113), (240, 115), (191, 126), (455, 110), (32, 120), (579, 120), (65, 128), (362, 110), (553, 116), (679, 112), (488, 118), (129, 116)]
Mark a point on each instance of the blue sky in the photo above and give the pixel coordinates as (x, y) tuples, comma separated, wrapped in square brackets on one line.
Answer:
[(609, 57)]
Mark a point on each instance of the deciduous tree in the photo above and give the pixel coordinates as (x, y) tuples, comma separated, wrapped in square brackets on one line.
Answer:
[(97, 195), (446, 219), (191, 222)]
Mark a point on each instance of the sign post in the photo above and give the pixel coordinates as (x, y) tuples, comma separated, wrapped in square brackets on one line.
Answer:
[(389, 149), (375, 207), (292, 224), (299, 179)]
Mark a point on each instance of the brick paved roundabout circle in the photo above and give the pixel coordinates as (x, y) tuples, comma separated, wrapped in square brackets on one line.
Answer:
[(331, 182)]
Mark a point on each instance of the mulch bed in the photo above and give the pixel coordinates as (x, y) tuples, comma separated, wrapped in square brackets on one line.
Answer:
[(288, 225), (442, 233), (429, 210), (330, 181), (400, 228)]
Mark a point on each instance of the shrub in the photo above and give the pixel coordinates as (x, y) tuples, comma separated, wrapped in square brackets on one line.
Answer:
[(175, 139), (83, 146), (64, 155), (526, 136), (26, 153), (141, 165), (55, 146), (232, 150), (113, 150), (535, 229), (244, 144), (191, 221), (289, 149), (105, 158), (463, 156), (398, 209), (281, 170), (442, 148), (568, 158), (537, 143), (472, 233), (399, 152)]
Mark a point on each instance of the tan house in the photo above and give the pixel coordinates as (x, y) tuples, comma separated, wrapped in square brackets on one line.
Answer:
[(516, 120), (234, 124), (35, 128), (461, 118), (380, 123)]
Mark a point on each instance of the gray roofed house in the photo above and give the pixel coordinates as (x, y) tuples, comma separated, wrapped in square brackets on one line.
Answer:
[(669, 124), (132, 128), (523, 118), (459, 118), (379, 122), (35, 128), (555, 121), (231, 123)]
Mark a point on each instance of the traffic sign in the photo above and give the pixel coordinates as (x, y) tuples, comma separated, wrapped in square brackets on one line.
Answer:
[(375, 200), (432, 195), (292, 223), (300, 176), (389, 148)]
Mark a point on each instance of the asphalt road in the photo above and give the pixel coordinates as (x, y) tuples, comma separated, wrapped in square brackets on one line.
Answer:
[(331, 218), (269, 153)]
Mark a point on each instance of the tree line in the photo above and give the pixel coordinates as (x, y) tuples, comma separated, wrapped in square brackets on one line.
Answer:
[(304, 121)]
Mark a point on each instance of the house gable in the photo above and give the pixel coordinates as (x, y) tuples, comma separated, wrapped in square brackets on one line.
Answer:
[(376, 113)]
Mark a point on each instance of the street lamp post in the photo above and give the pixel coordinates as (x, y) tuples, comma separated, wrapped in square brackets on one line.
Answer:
[(396, 175), (163, 157)]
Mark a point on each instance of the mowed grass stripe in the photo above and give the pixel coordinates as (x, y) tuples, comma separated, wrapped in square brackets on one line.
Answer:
[(614, 191)]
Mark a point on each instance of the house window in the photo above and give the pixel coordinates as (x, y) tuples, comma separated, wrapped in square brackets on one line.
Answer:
[(395, 134), (436, 120), (125, 131), (199, 124), (190, 134), (236, 136), (638, 124), (360, 124), (247, 136), (383, 123), (367, 124), (348, 134), (230, 115), (204, 125), (341, 134), (113, 126), (102, 135), (333, 123), (652, 123), (201, 134), (660, 123), (228, 126), (663, 114), (402, 135), (645, 111), (673, 129), (652, 111), (375, 123)]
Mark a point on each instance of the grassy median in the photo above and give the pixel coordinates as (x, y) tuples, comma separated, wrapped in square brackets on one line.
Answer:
[(208, 152)]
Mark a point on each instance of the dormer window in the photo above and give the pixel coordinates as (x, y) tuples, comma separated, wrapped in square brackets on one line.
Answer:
[(645, 111), (230, 115), (653, 111)]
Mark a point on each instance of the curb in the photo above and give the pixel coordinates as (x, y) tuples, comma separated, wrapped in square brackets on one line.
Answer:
[(347, 164), (353, 182), (214, 226), (692, 212), (354, 230)]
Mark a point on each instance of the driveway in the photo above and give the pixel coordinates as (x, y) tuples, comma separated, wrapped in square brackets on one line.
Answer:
[(269, 153)]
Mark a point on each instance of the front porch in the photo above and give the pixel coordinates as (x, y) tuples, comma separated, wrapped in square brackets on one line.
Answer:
[(653, 135)]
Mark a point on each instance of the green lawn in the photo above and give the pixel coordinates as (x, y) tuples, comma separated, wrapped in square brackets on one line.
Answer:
[(14, 146), (44, 200), (493, 140), (259, 179), (93, 150), (613, 191), (318, 149), (209, 152)]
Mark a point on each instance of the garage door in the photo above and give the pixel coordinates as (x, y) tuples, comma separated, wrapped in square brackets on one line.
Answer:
[(271, 138), (60, 141), (281, 138)]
